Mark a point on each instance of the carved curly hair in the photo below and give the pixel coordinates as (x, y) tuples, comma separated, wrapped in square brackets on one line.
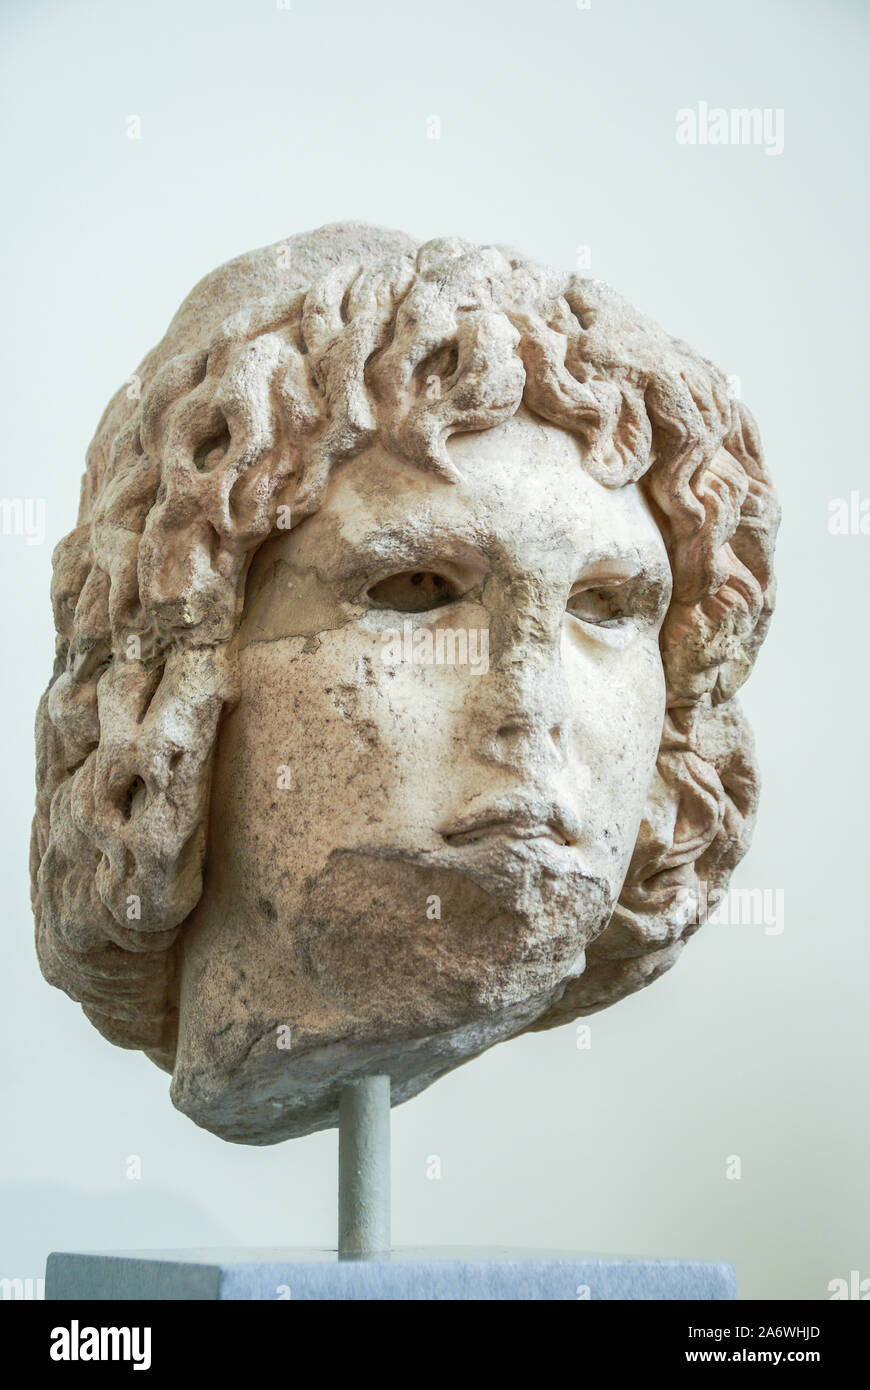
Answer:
[(278, 365)]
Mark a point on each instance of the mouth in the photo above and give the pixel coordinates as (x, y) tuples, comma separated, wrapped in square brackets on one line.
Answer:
[(489, 830), (504, 821)]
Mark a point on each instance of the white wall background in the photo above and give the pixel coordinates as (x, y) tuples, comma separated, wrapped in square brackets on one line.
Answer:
[(557, 130)]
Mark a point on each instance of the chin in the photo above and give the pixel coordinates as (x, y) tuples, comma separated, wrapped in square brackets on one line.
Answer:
[(397, 938), (374, 983)]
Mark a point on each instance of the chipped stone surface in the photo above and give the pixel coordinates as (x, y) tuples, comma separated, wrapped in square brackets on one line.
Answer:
[(398, 640)]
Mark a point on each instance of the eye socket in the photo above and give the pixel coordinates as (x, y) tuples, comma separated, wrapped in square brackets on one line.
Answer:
[(608, 606), (413, 591)]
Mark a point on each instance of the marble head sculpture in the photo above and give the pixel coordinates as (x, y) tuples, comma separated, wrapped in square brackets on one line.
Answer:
[(393, 712)]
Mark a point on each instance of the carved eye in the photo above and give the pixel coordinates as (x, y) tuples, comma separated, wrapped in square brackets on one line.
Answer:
[(414, 591), (607, 606)]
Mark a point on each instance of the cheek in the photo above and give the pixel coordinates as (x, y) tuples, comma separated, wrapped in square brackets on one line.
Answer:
[(618, 714), (365, 744)]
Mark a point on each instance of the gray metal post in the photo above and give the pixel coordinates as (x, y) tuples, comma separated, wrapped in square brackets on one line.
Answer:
[(364, 1167)]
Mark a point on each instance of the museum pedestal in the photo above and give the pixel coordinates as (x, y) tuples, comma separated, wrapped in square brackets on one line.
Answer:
[(364, 1266), (491, 1272)]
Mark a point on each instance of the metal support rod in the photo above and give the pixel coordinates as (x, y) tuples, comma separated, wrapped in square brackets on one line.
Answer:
[(364, 1167)]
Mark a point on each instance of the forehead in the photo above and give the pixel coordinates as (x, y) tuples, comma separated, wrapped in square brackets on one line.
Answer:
[(522, 489)]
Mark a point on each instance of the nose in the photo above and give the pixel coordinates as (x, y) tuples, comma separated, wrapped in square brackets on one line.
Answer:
[(521, 718), (526, 617)]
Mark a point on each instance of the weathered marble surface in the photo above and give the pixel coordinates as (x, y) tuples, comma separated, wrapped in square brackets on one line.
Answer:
[(393, 711)]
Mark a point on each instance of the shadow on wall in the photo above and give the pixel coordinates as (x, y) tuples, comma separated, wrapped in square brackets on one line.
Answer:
[(36, 1219)]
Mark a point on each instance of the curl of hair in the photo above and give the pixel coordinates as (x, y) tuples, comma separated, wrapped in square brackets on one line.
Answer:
[(369, 335)]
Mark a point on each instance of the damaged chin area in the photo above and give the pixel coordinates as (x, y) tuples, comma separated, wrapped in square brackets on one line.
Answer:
[(436, 936), (407, 963)]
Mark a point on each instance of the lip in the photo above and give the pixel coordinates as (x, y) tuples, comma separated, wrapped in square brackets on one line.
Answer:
[(537, 820)]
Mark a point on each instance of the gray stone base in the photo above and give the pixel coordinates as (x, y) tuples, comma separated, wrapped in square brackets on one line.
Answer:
[(435, 1273)]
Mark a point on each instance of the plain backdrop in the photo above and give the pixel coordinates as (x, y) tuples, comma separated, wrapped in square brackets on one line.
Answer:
[(557, 132)]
